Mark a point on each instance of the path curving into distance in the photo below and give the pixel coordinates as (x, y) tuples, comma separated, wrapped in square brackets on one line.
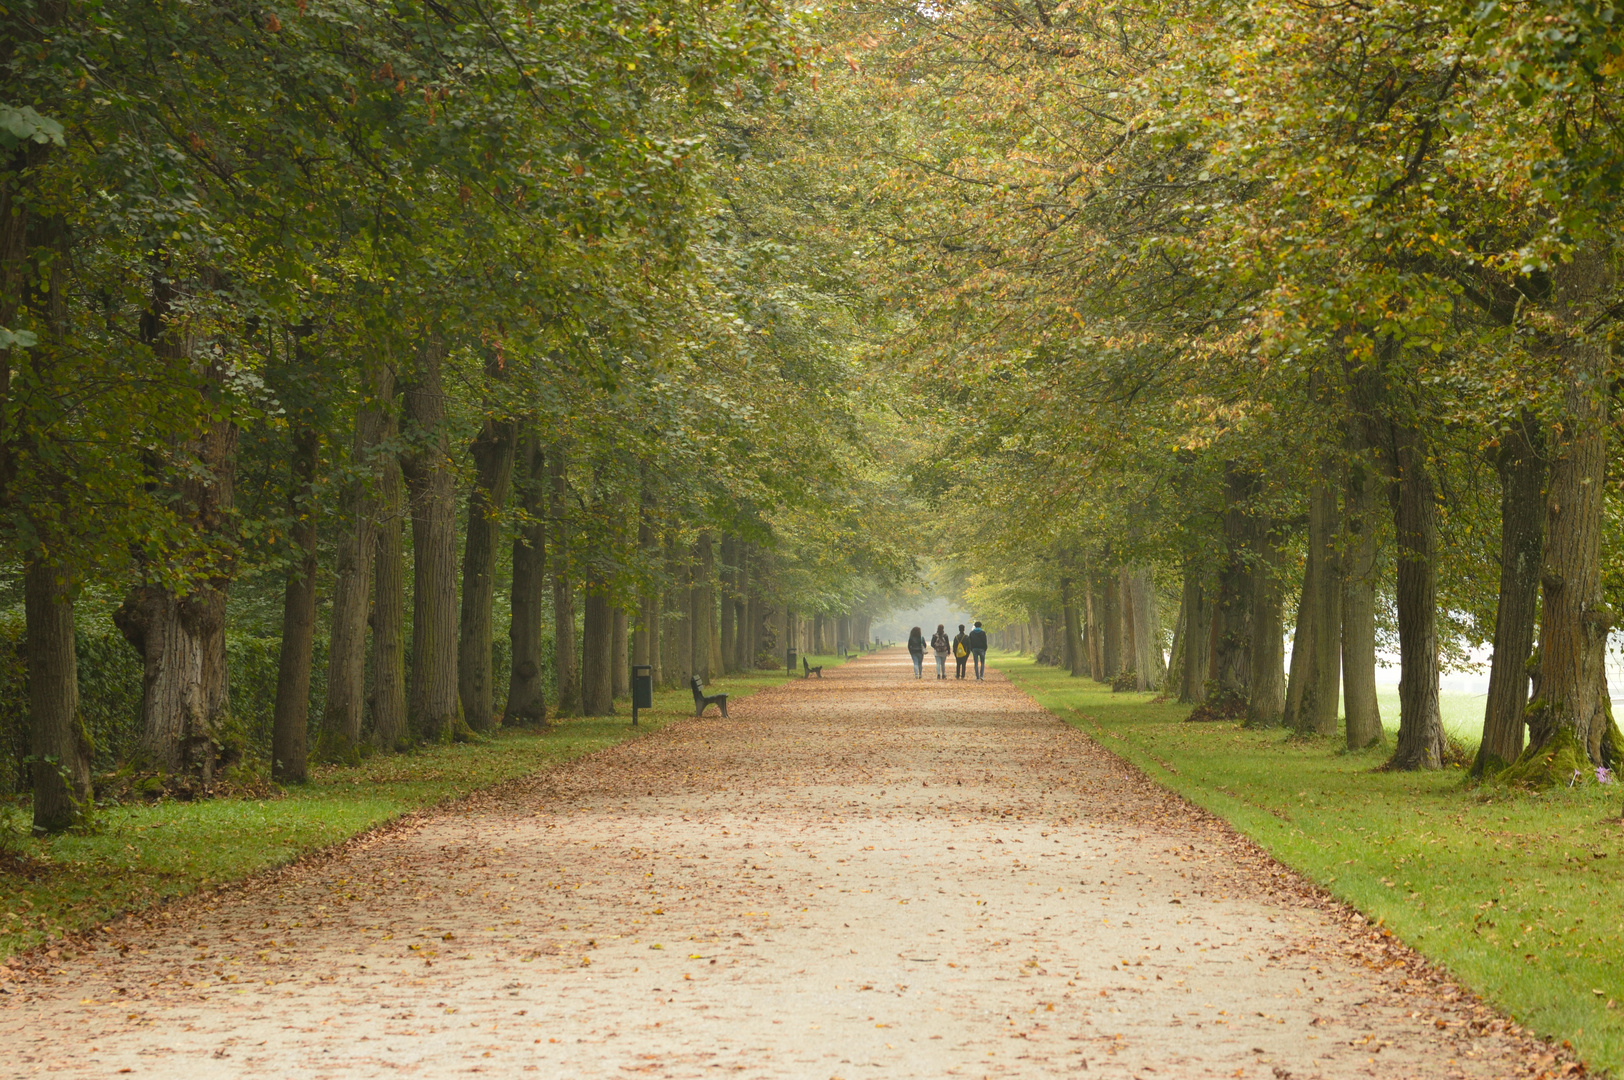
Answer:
[(859, 876)]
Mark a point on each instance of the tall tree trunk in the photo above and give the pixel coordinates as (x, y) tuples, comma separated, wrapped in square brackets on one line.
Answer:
[(58, 741), (619, 673), (1175, 655), (1364, 720), (1322, 681), (345, 707), (1569, 721), (1068, 615), (493, 453), (527, 694), (1111, 617), (290, 718), (1522, 544), (1197, 634), (1230, 663), (700, 611), (682, 628), (744, 658), (1415, 515), (181, 639), (1129, 663), (1267, 701), (597, 669), (389, 603), (566, 665), (1151, 666), (433, 712), (730, 559), (1094, 587)]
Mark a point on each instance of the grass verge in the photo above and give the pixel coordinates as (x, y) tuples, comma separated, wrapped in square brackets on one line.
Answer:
[(1517, 895), (147, 853)]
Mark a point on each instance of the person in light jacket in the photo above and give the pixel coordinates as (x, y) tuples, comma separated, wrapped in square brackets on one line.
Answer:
[(940, 645)]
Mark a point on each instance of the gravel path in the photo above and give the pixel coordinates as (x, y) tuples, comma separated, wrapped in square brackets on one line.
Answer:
[(859, 876)]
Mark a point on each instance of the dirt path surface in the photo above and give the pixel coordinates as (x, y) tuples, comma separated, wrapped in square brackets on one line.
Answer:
[(859, 876)]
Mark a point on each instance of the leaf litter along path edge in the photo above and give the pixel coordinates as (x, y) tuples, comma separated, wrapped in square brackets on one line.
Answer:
[(859, 876)]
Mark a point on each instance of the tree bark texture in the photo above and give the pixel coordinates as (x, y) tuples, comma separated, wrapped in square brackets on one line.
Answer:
[(619, 648), (1322, 591), (389, 602), (729, 627), (745, 657), (566, 662), (1420, 743), (1521, 465), (1111, 630), (1151, 666), (1094, 614), (1266, 703), (597, 668), (1359, 706), (1570, 705), (1130, 632), (493, 453), (345, 708), (290, 717), (433, 711), (527, 692), (1197, 634), (58, 741), (701, 611), (181, 639), (1068, 615), (1230, 670)]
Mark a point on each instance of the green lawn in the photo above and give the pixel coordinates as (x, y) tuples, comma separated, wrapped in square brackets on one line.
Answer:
[(1517, 894), (145, 853)]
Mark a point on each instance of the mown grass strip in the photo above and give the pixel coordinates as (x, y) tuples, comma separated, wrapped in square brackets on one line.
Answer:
[(145, 853), (1518, 895)]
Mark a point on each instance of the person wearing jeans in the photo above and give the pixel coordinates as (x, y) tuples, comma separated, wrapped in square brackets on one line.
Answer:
[(916, 649), (977, 640), (939, 645)]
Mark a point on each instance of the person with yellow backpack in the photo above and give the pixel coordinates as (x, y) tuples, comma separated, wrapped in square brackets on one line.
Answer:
[(961, 650)]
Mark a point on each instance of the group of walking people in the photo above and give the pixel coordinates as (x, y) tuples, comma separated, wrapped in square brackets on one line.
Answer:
[(963, 646)]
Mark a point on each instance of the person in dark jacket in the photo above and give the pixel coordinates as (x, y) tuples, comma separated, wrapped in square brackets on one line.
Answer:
[(977, 640), (939, 645), (961, 650), (916, 649)]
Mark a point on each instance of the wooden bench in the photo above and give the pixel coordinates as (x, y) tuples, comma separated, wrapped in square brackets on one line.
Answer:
[(809, 670), (703, 700)]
